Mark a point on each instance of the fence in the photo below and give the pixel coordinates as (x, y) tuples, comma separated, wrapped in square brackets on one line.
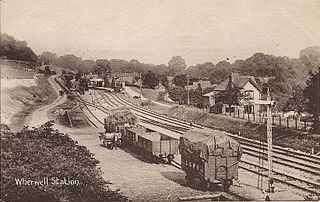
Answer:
[(277, 120)]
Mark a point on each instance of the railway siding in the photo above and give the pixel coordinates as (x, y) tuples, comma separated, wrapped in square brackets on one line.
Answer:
[(297, 160)]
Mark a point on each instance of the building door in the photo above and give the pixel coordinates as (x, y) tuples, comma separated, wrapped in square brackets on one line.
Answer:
[(248, 109)]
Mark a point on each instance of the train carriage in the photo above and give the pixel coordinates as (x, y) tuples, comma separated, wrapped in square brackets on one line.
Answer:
[(211, 156)]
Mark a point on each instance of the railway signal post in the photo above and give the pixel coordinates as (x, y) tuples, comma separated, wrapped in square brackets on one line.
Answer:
[(269, 104), (188, 99), (269, 142)]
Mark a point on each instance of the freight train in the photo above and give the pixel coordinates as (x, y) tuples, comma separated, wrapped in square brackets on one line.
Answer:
[(207, 155), (154, 145)]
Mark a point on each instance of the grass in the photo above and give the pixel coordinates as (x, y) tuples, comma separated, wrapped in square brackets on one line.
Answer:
[(29, 99), (12, 70), (282, 136), (146, 92), (20, 101)]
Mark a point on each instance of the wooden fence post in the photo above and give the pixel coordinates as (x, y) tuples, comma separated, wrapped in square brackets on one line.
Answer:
[(273, 119), (280, 120), (238, 113), (69, 118), (248, 116), (288, 118), (296, 123)]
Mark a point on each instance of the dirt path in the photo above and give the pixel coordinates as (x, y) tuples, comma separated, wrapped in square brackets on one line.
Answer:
[(40, 116), (133, 93)]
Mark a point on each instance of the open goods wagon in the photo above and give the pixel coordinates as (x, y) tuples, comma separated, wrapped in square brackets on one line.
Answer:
[(150, 144), (130, 136), (210, 156), (158, 146)]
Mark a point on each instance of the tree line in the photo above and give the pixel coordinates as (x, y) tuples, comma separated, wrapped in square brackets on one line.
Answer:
[(288, 77), (16, 50)]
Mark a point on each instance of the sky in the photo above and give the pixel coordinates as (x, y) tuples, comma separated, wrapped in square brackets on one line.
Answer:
[(152, 31)]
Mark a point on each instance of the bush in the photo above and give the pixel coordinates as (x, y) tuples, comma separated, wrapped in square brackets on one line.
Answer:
[(44, 152)]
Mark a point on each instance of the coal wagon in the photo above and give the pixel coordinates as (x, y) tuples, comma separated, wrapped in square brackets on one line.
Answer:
[(210, 156)]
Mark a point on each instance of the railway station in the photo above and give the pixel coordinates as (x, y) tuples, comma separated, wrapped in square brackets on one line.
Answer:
[(160, 100), (156, 137)]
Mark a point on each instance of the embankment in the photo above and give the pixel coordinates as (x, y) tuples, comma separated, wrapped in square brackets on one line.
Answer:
[(281, 136), (21, 99)]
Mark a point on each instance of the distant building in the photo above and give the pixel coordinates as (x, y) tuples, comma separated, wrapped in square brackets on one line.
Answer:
[(248, 86), (202, 84), (96, 82), (128, 77), (75, 85), (118, 84), (161, 91)]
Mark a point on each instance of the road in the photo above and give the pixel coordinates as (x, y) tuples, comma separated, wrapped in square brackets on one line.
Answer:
[(40, 116)]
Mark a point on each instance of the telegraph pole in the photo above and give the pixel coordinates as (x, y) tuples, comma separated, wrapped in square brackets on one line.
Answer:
[(188, 101), (269, 141)]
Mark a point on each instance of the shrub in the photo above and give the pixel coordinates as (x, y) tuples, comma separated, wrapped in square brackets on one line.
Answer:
[(44, 152)]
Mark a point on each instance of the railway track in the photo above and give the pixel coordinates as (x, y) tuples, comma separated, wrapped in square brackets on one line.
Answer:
[(294, 159)]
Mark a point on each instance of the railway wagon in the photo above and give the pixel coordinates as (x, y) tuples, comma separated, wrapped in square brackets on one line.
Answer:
[(158, 146), (130, 136), (210, 156)]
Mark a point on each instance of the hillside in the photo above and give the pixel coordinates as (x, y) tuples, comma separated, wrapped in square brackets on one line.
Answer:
[(22, 92), (16, 70)]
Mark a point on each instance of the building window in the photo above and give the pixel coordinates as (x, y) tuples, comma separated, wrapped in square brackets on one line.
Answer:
[(249, 94)]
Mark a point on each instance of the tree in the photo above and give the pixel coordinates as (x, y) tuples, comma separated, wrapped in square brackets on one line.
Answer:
[(180, 80), (220, 72), (312, 92), (47, 70), (47, 57), (177, 64), (297, 100), (70, 62), (196, 98), (163, 80), (231, 96), (88, 66), (200, 70), (177, 94), (310, 57), (150, 80), (16, 50)]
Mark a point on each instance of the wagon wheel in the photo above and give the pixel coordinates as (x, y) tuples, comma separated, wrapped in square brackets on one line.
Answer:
[(205, 185), (226, 185), (189, 178), (170, 158), (156, 159)]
